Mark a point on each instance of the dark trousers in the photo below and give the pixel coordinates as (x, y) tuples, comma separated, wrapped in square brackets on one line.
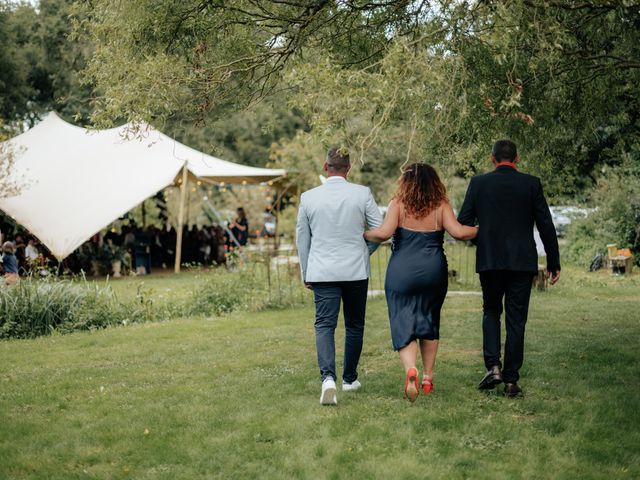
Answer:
[(515, 288), (327, 296)]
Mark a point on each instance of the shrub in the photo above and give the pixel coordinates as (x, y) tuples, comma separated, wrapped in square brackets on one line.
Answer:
[(33, 308), (226, 293), (37, 307), (616, 220)]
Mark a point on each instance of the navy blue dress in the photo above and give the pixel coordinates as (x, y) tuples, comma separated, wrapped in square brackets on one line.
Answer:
[(415, 285)]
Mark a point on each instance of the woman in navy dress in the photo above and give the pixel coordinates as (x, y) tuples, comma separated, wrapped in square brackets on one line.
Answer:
[(417, 276)]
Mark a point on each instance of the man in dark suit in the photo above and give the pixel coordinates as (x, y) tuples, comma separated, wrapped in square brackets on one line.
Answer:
[(506, 203)]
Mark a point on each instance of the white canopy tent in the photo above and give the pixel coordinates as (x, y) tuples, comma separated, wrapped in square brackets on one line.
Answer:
[(74, 181)]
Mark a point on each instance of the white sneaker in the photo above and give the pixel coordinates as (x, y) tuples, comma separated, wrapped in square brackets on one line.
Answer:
[(328, 395), (350, 387)]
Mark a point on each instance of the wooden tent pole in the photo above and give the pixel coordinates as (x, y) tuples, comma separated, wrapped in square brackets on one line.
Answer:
[(183, 198)]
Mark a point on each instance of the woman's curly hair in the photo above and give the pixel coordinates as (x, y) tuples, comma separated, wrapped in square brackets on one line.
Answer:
[(420, 190)]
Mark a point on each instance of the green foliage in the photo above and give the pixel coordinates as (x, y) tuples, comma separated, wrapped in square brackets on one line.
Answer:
[(227, 293), (188, 58), (245, 136), (616, 220), (36, 307), (40, 63), (557, 77), (302, 157), (395, 81), (14, 87), (435, 81), (521, 70), (408, 107)]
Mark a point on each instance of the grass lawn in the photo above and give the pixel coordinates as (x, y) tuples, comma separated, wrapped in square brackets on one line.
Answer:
[(237, 397), (161, 285)]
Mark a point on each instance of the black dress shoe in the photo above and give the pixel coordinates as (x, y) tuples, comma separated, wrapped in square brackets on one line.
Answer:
[(492, 378), (512, 390)]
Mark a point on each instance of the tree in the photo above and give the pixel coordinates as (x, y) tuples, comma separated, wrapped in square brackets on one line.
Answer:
[(41, 63), (245, 136), (14, 88), (198, 56), (39, 71), (524, 70), (10, 185), (439, 79)]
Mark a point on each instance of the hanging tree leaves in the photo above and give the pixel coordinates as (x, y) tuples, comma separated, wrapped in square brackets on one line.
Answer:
[(440, 79)]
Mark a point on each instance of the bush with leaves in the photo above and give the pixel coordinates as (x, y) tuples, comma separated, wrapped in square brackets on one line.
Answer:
[(616, 220), (38, 307), (227, 293)]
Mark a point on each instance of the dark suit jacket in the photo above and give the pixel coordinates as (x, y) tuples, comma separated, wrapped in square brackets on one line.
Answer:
[(506, 203)]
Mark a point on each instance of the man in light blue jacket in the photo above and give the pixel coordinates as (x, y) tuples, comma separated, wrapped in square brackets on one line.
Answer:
[(334, 259)]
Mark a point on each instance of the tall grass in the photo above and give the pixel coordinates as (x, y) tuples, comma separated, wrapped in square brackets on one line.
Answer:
[(36, 307), (33, 308)]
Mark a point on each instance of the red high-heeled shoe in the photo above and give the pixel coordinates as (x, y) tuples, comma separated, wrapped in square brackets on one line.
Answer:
[(411, 385), (427, 385)]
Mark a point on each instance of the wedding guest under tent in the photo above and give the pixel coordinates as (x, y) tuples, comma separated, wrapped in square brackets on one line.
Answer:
[(72, 181)]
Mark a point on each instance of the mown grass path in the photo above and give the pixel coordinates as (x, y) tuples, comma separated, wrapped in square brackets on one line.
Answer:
[(237, 397)]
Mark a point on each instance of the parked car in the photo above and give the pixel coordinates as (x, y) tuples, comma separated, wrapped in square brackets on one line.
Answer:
[(562, 216)]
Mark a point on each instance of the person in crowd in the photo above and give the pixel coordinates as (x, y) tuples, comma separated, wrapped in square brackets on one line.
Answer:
[(204, 248), (157, 248), (113, 238), (129, 237), (416, 281), (32, 254), (269, 222), (221, 240), (213, 245), (191, 247), (10, 263), (240, 227), (142, 252), (19, 250), (169, 242)]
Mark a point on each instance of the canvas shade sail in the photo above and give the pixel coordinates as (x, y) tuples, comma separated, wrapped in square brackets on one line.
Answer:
[(76, 181), (213, 169)]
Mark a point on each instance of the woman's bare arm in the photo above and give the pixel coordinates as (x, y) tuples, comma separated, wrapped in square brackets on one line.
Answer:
[(235, 224), (384, 231), (455, 228)]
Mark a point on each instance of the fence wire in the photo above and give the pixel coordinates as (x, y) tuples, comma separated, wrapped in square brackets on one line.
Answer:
[(280, 272)]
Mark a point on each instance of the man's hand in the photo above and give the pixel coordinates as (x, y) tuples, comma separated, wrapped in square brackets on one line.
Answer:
[(308, 285), (553, 276)]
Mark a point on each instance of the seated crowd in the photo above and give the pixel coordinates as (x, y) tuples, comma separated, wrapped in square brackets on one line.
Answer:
[(22, 254), (133, 248)]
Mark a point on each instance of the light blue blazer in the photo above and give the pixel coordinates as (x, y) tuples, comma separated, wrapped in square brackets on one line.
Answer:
[(331, 221)]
